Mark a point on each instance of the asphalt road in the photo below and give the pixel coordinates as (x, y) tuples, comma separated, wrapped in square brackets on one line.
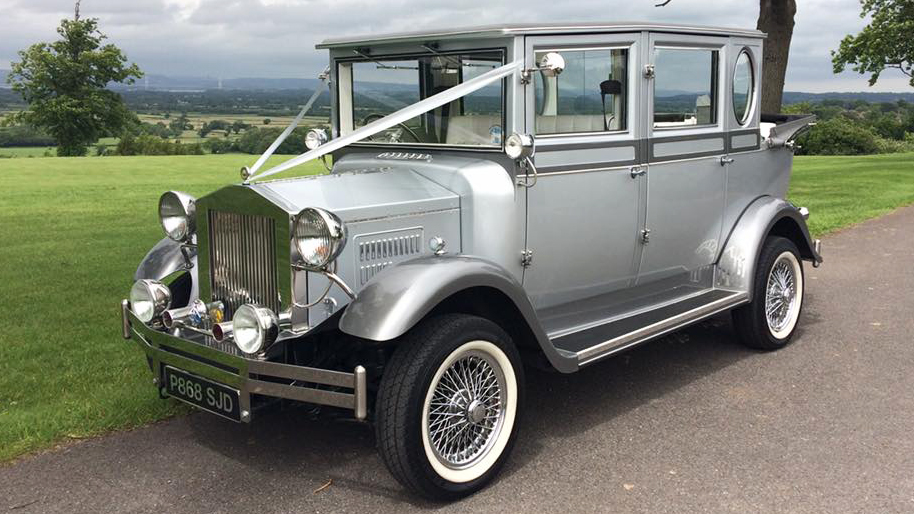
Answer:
[(689, 423)]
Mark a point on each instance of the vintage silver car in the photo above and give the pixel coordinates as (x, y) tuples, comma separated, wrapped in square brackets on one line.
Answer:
[(499, 197)]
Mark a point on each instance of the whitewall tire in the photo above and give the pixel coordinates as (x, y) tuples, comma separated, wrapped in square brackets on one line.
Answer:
[(448, 405), (770, 320)]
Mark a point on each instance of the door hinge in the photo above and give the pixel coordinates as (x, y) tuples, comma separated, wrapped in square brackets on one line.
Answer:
[(526, 258), (649, 71), (645, 236)]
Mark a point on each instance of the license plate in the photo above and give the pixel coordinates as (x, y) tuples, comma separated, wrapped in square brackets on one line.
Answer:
[(202, 393)]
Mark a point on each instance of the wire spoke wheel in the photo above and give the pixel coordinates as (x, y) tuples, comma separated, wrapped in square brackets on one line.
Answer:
[(782, 294), (448, 404), (465, 409)]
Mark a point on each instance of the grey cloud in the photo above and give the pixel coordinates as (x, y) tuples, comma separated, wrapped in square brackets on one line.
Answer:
[(276, 38)]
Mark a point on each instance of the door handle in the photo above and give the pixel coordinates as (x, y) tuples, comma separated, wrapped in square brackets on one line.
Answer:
[(726, 160), (637, 171)]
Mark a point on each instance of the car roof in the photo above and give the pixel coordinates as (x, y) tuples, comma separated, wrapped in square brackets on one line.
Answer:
[(488, 31)]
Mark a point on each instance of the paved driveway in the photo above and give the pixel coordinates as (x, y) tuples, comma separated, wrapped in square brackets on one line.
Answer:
[(689, 423)]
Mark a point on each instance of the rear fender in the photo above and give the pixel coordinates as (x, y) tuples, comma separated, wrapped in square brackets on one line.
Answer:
[(763, 217)]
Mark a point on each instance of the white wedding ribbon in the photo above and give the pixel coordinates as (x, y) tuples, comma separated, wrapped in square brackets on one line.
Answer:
[(407, 113), (285, 133)]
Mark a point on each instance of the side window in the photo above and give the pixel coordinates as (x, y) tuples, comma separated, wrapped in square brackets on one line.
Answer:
[(588, 96), (685, 87), (743, 87)]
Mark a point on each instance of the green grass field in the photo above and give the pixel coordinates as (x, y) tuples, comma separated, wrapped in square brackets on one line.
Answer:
[(842, 191), (74, 230)]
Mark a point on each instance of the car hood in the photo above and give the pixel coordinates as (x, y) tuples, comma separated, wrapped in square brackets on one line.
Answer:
[(361, 195)]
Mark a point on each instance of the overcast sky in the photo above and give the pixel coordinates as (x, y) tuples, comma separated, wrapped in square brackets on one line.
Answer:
[(276, 38)]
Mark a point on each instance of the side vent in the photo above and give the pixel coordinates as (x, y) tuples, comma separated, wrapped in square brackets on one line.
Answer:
[(381, 249)]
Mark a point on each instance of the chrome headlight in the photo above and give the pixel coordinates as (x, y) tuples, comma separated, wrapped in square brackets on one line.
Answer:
[(149, 299), (254, 327), (319, 236), (178, 215)]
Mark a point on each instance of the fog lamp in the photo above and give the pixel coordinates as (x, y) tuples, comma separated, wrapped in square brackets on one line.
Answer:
[(254, 328), (149, 299)]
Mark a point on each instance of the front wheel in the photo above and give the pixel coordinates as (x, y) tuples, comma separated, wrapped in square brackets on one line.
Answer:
[(769, 321), (447, 408)]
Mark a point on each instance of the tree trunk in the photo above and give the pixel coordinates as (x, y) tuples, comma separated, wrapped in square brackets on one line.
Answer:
[(776, 18)]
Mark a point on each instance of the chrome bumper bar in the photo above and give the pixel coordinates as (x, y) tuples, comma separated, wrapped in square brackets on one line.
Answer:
[(165, 349)]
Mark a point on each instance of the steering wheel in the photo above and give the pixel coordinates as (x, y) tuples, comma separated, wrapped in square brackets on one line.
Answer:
[(368, 119)]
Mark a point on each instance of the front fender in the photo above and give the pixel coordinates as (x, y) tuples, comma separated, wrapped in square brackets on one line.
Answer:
[(399, 297), (164, 259), (764, 216)]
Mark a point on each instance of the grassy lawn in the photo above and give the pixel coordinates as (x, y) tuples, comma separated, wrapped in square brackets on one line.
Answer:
[(842, 191), (74, 230)]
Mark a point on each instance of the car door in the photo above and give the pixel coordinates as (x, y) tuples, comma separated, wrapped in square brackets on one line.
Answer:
[(686, 177), (583, 213)]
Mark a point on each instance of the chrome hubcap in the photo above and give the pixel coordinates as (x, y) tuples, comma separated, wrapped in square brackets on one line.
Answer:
[(781, 294), (466, 411)]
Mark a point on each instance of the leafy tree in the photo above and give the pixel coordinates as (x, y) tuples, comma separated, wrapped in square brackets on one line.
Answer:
[(839, 136), (267, 121), (64, 84), (180, 124), (887, 42), (239, 126)]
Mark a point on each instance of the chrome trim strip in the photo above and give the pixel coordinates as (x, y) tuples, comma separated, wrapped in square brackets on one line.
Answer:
[(612, 167), (643, 334)]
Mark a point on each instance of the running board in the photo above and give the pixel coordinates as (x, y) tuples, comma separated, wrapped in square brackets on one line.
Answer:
[(619, 335)]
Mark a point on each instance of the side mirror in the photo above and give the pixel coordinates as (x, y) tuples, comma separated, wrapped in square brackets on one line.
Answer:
[(551, 65)]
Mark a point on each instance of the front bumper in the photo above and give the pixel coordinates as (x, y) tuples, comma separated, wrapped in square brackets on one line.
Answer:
[(248, 376)]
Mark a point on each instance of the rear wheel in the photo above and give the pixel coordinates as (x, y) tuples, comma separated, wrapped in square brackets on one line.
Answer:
[(769, 321), (448, 405)]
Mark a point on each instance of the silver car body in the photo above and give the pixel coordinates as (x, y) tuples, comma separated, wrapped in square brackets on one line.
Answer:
[(625, 236)]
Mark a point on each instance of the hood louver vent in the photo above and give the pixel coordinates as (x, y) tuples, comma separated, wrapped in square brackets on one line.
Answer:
[(380, 250)]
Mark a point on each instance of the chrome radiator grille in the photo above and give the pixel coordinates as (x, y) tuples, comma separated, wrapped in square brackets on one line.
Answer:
[(243, 260)]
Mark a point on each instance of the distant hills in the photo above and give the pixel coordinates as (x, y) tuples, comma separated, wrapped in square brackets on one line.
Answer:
[(188, 84), (792, 97)]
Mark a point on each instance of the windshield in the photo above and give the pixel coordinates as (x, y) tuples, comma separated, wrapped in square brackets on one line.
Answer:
[(372, 89)]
